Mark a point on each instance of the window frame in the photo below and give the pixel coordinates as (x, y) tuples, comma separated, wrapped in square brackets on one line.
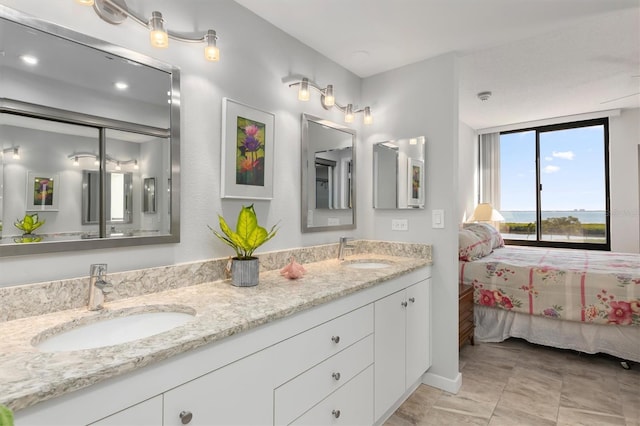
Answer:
[(561, 244)]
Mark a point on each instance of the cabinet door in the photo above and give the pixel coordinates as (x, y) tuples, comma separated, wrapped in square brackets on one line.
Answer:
[(389, 351), (418, 330), (240, 393), (147, 413)]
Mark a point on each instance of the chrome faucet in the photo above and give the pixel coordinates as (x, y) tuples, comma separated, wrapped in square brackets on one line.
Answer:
[(344, 246), (98, 286)]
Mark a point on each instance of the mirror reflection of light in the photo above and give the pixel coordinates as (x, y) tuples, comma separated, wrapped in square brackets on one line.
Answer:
[(121, 85)]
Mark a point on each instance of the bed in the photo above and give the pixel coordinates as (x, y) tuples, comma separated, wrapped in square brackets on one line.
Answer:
[(583, 300)]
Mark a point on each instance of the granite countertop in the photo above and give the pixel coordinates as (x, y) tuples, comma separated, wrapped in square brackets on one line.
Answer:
[(30, 376)]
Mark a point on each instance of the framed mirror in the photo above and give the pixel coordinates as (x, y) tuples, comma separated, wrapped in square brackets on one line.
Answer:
[(328, 175), (62, 117), (398, 174)]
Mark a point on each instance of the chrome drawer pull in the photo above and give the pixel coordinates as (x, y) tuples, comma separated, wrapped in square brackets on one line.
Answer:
[(412, 299), (336, 376), (335, 339), (185, 417), (336, 413)]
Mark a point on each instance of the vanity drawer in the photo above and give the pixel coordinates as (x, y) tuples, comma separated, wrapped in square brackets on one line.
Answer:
[(352, 404), (303, 351), (304, 391)]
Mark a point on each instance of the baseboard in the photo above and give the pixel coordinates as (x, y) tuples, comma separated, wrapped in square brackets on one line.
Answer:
[(440, 382)]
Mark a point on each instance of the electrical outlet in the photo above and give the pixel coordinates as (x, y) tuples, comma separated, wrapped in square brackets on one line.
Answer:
[(399, 225)]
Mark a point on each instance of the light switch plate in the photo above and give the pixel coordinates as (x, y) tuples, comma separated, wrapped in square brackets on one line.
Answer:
[(399, 225), (437, 218)]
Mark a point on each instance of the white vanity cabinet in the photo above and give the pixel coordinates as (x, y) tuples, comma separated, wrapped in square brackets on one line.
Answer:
[(347, 361), (402, 349), (147, 413), (237, 394)]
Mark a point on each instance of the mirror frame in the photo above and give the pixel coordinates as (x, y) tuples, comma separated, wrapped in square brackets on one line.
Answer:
[(305, 167), (37, 111)]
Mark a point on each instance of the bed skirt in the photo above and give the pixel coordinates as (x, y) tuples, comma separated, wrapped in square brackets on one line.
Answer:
[(496, 325)]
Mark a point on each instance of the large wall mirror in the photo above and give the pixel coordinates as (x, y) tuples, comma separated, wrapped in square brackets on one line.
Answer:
[(77, 148), (398, 174), (328, 175)]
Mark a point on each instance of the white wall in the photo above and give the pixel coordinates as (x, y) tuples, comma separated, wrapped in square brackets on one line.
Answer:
[(255, 57), (624, 138), (422, 99)]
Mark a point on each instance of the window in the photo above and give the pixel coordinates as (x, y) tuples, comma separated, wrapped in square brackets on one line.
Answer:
[(553, 185)]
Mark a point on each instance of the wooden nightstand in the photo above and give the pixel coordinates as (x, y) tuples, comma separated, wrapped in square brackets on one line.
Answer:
[(465, 308)]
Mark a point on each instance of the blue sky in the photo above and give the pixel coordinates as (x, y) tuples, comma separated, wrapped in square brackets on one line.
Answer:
[(572, 170)]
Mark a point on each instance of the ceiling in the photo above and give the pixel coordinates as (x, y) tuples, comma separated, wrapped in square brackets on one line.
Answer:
[(539, 58)]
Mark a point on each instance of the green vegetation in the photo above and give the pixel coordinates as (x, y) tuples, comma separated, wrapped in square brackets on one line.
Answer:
[(569, 226)]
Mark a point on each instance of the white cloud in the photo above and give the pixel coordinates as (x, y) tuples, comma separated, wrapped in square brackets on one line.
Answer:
[(567, 155), (551, 169), (548, 158)]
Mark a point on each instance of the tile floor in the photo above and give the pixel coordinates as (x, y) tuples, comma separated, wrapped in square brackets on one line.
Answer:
[(518, 383)]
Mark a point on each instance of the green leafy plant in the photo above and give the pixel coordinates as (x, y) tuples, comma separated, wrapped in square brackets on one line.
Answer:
[(29, 223), (6, 416), (248, 235)]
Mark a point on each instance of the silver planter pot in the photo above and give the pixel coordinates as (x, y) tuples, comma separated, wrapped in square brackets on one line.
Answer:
[(244, 272)]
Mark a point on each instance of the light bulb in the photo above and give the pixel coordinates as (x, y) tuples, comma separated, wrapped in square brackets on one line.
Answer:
[(135, 165), (76, 162), (329, 99), (303, 92), (16, 154), (368, 119), (348, 114), (158, 35), (97, 161), (118, 166), (211, 51)]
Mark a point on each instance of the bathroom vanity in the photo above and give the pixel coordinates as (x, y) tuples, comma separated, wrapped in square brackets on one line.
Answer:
[(343, 344)]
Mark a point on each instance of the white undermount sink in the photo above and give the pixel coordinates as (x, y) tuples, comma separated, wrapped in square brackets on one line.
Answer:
[(366, 264), (120, 327)]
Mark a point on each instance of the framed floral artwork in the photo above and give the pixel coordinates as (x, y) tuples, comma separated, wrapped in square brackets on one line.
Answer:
[(415, 175), (42, 191), (247, 151)]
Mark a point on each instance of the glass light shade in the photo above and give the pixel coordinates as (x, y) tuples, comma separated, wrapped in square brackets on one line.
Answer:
[(329, 98), (135, 165), (76, 162), (211, 51), (85, 2), (485, 212), (118, 166), (348, 114), (158, 35), (303, 92), (16, 154), (368, 118)]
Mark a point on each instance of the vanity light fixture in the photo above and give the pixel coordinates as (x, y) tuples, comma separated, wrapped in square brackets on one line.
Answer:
[(116, 12), (328, 100), (76, 156), (14, 150), (29, 59)]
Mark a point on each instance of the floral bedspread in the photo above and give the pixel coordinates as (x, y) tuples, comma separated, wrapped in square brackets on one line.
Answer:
[(575, 285)]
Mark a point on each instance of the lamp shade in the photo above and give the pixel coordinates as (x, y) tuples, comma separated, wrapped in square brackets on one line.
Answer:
[(485, 212)]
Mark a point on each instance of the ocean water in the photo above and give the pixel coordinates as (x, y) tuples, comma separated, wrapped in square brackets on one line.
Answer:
[(584, 216)]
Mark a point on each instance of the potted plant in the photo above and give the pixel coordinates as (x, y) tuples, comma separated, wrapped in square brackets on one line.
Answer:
[(247, 237), (28, 224)]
